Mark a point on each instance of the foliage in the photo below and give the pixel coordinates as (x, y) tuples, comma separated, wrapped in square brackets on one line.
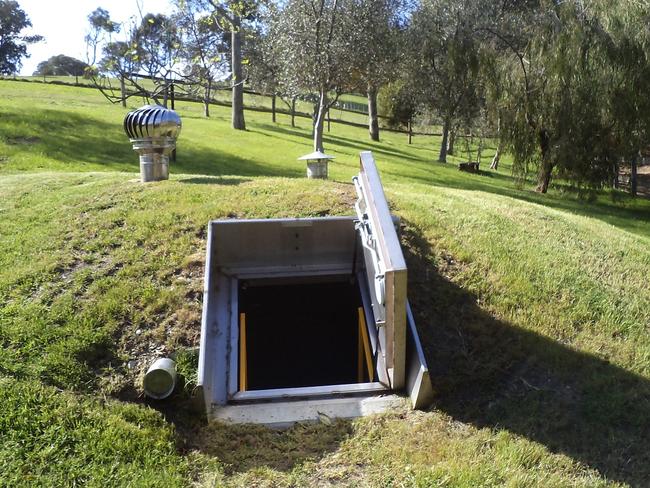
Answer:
[(157, 43), (13, 46), (568, 81), (232, 16), (378, 27), (100, 32), (445, 61), (397, 103), (149, 48), (61, 65), (313, 41), (203, 49)]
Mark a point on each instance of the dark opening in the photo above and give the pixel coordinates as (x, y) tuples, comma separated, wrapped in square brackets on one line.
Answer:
[(301, 334)]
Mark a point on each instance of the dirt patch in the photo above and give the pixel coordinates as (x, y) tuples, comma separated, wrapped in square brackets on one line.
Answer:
[(23, 140), (163, 335)]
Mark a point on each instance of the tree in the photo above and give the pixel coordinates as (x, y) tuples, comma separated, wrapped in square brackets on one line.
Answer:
[(398, 104), (570, 102), (377, 24), (157, 44), (13, 46), (315, 39), (230, 14), (264, 67), (202, 49), (148, 48), (445, 61), (61, 65), (101, 31)]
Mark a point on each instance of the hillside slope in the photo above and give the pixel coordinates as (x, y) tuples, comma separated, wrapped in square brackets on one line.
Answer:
[(534, 312)]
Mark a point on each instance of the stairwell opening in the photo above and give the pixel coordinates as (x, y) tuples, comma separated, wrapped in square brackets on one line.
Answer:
[(301, 333)]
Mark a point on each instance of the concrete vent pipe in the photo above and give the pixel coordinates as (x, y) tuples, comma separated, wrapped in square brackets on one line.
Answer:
[(153, 131)]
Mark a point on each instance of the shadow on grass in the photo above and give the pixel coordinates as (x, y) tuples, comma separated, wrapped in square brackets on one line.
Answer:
[(494, 374), (332, 139), (74, 139), (214, 180)]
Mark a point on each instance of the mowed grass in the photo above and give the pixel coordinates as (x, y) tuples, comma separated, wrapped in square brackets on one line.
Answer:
[(534, 310)]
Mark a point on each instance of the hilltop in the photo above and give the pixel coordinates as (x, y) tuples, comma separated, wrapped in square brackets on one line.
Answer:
[(533, 309)]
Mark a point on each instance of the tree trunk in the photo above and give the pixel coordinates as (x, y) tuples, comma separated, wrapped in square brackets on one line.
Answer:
[(409, 128), (373, 120), (293, 112), (544, 177), (122, 91), (452, 141), (497, 157), (329, 121), (206, 99), (165, 94), (319, 122), (238, 121), (546, 168), (273, 108), (172, 96), (633, 176), (442, 158)]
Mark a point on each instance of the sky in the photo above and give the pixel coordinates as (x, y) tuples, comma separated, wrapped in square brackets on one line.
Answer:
[(64, 23)]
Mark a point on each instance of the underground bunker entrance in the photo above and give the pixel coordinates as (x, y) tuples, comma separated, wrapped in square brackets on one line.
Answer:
[(302, 333)]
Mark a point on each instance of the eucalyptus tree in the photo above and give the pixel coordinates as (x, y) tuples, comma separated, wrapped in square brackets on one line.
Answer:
[(157, 43), (203, 49), (99, 42), (316, 40), (100, 32), (231, 14), (444, 61), (148, 47), (378, 25)]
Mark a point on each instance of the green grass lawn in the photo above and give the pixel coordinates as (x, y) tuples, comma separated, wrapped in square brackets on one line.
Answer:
[(534, 310)]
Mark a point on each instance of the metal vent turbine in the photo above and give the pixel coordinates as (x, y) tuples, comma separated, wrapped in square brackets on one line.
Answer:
[(153, 131)]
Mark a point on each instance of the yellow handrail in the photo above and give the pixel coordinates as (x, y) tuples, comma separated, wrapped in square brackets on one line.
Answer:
[(364, 350), (243, 360)]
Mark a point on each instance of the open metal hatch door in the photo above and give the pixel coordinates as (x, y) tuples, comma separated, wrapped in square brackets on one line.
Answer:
[(299, 315), (385, 268), (400, 353)]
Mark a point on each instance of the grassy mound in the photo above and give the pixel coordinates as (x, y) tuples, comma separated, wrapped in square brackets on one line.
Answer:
[(534, 311)]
